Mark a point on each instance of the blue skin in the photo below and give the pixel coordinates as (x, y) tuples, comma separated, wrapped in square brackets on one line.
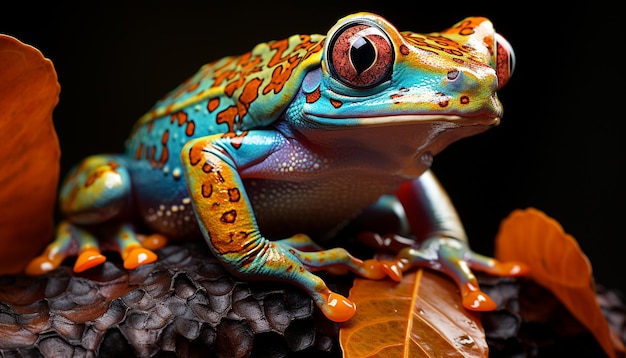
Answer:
[(248, 158)]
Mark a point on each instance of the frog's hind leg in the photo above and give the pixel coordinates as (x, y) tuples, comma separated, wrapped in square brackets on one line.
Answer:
[(94, 197), (226, 218)]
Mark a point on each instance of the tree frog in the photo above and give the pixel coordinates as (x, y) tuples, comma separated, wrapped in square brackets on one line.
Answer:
[(267, 154)]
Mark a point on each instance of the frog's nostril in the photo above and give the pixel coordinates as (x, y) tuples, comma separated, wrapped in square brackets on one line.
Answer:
[(505, 60)]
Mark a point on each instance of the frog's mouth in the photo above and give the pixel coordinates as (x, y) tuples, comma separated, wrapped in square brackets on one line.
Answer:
[(447, 120), (404, 119)]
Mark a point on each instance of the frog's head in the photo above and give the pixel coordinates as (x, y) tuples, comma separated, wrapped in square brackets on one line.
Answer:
[(426, 90)]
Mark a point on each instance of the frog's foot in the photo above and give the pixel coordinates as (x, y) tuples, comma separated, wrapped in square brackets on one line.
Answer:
[(70, 240), (135, 249), (454, 258)]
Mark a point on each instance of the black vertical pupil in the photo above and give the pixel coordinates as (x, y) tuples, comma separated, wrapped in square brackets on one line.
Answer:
[(362, 54)]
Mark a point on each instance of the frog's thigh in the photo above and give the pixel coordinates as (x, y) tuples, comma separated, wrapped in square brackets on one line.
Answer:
[(96, 190), (227, 221)]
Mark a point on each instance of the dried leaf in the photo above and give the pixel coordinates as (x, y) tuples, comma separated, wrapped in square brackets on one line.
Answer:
[(422, 316), (558, 264), (29, 169)]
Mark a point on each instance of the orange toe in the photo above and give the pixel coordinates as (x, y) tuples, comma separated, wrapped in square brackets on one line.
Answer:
[(138, 256), (514, 269), (338, 308), (478, 301), (154, 241), (393, 269), (375, 270), (87, 259), (42, 264)]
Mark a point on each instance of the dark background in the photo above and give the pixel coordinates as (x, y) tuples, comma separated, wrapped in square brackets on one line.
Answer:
[(559, 147)]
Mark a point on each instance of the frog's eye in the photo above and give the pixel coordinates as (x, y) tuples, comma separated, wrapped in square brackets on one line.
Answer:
[(360, 55), (505, 60)]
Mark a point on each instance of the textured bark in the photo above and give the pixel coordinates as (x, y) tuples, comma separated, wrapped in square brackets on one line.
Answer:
[(186, 304)]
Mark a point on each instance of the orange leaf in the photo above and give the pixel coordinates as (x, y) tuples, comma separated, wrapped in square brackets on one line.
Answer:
[(29, 168), (421, 316), (558, 264)]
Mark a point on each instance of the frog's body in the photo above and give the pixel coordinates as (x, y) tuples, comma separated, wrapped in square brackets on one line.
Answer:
[(298, 135)]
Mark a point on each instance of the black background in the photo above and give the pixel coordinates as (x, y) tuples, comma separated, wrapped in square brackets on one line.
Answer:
[(559, 147)]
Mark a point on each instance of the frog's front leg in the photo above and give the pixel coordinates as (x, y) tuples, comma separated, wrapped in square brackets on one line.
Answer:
[(212, 167), (94, 198), (444, 245)]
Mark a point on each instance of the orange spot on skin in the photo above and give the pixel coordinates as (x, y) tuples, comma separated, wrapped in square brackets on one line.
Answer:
[(465, 100), (234, 195), (139, 151), (98, 173), (207, 190), (313, 96), (164, 152), (284, 66), (395, 97), (207, 168), (228, 116), (213, 104), (336, 103), (164, 156), (180, 117), (195, 155), (191, 128), (249, 94), (229, 217)]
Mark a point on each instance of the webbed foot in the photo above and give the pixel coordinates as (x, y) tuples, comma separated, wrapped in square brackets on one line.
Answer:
[(454, 258), (72, 240)]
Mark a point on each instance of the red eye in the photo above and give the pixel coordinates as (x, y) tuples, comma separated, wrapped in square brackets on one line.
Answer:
[(505, 60), (360, 55)]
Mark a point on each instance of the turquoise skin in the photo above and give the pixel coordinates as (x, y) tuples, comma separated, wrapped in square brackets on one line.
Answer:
[(268, 154)]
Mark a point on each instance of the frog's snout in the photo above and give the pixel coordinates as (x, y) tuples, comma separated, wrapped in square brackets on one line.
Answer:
[(504, 59)]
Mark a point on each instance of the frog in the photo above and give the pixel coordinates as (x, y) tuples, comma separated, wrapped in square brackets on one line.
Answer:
[(268, 154)]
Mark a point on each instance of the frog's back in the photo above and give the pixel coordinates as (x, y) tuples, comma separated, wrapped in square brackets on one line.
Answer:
[(228, 96)]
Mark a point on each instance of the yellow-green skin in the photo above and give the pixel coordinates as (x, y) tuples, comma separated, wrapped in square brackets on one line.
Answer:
[(299, 136)]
